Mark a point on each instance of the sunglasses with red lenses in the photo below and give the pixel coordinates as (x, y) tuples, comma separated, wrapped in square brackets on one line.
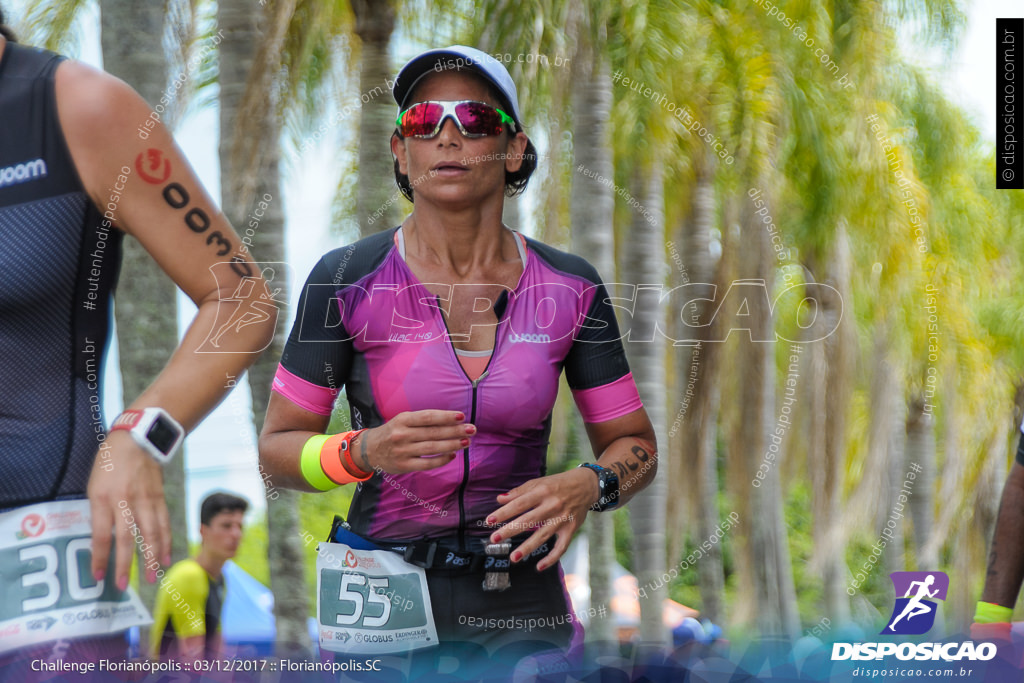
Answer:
[(474, 119)]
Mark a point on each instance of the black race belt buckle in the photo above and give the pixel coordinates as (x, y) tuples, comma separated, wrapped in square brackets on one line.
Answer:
[(425, 554), (497, 566), (494, 560), (420, 554)]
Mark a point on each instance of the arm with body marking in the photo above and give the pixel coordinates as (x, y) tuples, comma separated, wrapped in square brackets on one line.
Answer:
[(163, 206), (556, 505)]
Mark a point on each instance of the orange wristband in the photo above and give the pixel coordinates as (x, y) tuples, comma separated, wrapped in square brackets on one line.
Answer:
[(349, 459), (332, 453)]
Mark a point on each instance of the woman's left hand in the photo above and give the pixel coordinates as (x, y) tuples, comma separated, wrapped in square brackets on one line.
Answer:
[(555, 505)]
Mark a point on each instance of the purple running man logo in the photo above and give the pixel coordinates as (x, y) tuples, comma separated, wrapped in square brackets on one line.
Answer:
[(914, 612)]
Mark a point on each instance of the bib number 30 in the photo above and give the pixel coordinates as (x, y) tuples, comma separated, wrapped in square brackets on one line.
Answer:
[(52, 575)]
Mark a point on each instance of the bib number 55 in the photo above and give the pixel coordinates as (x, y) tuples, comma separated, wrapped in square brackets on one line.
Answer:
[(353, 589)]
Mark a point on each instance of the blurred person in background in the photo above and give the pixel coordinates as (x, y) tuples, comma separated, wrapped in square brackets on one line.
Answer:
[(187, 614)]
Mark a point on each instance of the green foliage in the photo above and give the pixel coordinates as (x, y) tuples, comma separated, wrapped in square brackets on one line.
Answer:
[(876, 588), (800, 525), (52, 25)]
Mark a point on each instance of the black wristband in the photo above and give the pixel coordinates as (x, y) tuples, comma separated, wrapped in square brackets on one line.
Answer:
[(608, 486)]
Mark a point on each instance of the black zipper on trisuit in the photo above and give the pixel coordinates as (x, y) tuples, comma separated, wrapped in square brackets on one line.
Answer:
[(472, 420), (465, 472)]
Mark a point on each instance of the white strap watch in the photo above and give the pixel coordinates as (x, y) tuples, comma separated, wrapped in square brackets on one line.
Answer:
[(153, 429)]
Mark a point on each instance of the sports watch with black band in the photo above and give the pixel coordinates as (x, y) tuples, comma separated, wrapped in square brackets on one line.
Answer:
[(154, 430), (608, 484)]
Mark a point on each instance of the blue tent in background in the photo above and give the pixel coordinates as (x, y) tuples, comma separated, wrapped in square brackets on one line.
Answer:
[(248, 616)]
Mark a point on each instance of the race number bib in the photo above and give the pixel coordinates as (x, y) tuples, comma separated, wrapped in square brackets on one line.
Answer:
[(49, 592), (371, 602)]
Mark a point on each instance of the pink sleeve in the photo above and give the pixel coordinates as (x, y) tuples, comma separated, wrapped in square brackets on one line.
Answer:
[(608, 401), (306, 395)]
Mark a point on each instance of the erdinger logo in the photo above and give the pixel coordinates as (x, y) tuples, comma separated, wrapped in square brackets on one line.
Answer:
[(914, 613)]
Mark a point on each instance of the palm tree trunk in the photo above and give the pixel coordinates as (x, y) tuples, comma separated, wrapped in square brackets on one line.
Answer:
[(994, 470), (592, 203), (971, 541), (644, 265), (822, 504), (921, 449), (955, 464), (894, 556), (738, 476), (241, 27), (840, 353), (375, 21), (146, 311), (601, 558), (866, 506), (768, 541), (593, 238), (693, 455)]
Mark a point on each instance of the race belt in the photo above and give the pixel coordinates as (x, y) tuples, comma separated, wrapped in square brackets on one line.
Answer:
[(490, 558)]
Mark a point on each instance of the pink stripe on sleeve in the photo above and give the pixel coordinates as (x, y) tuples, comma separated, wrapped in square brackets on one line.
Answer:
[(306, 395), (608, 401)]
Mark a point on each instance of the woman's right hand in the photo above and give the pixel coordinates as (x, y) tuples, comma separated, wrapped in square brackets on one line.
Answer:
[(413, 441)]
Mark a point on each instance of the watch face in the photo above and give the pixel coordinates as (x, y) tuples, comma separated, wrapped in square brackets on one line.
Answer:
[(163, 435), (609, 488)]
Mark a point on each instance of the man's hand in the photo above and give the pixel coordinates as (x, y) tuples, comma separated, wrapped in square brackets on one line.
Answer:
[(555, 505), (126, 496)]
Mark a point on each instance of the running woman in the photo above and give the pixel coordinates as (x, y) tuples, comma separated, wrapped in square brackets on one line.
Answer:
[(449, 334), (75, 176)]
